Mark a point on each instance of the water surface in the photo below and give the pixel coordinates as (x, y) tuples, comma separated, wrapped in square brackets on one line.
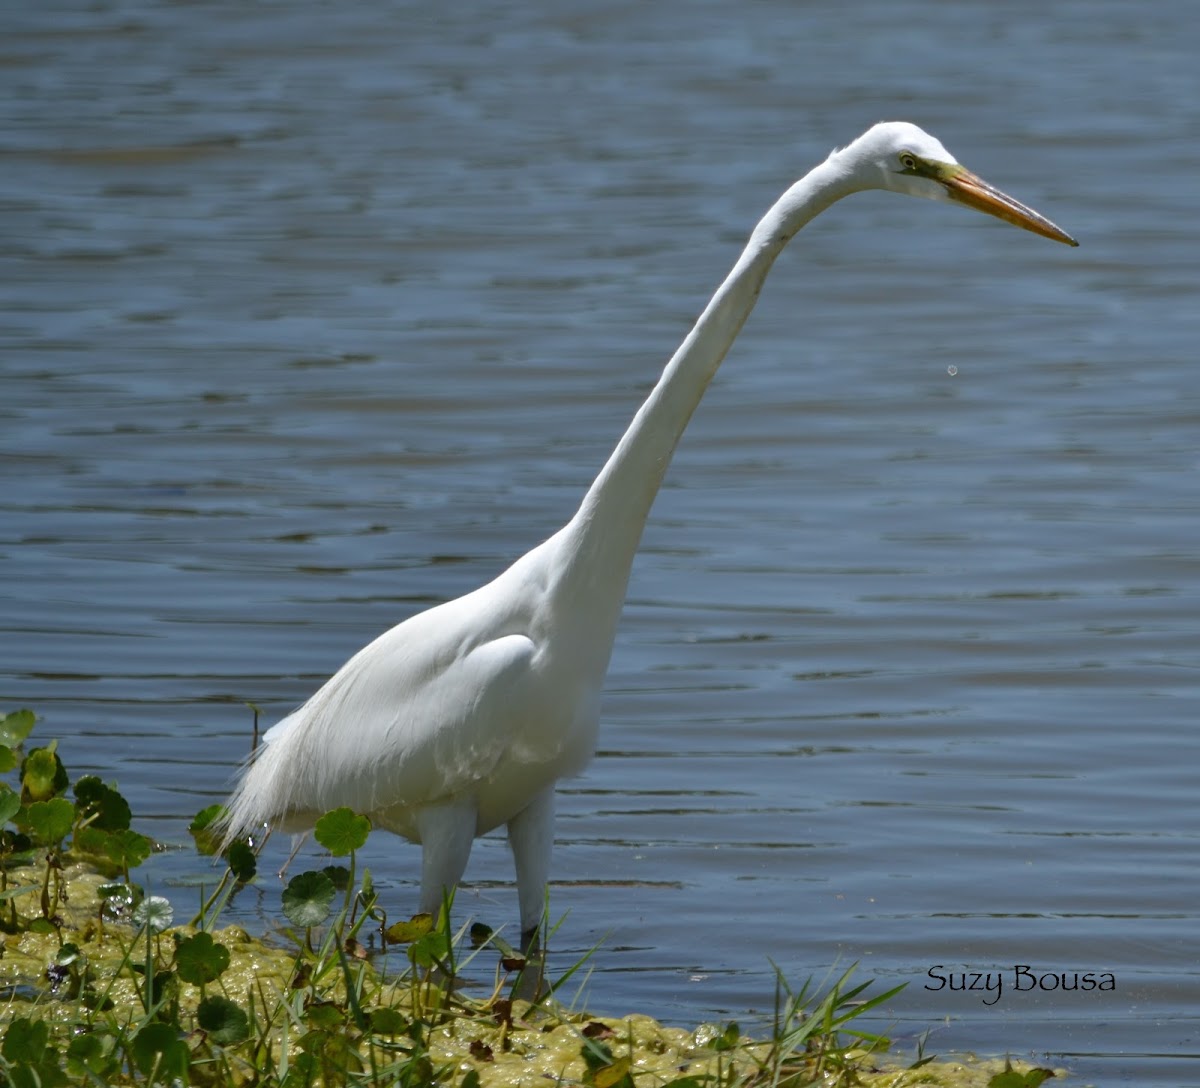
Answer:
[(316, 315)]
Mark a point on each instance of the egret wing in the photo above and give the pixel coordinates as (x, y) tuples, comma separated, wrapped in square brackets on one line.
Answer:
[(422, 713)]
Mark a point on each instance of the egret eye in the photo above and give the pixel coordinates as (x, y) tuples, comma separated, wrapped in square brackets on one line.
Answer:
[(908, 160)]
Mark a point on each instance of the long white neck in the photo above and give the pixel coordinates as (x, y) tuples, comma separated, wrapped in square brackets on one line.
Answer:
[(603, 536)]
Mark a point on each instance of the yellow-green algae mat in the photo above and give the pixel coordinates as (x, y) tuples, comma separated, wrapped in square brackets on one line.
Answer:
[(526, 1045)]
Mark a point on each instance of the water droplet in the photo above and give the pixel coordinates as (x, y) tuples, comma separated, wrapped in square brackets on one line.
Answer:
[(952, 370)]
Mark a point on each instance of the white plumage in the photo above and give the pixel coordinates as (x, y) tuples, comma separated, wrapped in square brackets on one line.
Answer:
[(462, 718)]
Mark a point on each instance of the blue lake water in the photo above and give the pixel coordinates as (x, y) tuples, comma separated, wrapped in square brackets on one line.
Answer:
[(314, 315)]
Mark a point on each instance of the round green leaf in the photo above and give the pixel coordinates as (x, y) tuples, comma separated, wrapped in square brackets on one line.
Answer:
[(159, 1045), (242, 861), (386, 1021), (412, 930), (225, 1021), (127, 848), (25, 1041), (15, 727), (199, 959), (307, 899), (154, 912), (342, 831), (208, 841), (107, 809), (89, 1053), (205, 817), (43, 774), (10, 802), (93, 841), (429, 950), (50, 822)]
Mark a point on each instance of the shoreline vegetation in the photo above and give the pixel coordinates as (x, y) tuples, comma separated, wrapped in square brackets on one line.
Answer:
[(104, 985)]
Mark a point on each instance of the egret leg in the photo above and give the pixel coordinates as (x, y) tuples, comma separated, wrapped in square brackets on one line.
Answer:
[(297, 842), (531, 836), (447, 832)]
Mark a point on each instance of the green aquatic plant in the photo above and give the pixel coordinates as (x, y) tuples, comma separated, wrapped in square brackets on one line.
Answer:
[(103, 985), (40, 820)]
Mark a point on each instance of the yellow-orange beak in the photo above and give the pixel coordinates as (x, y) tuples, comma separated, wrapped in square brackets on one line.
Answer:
[(974, 192)]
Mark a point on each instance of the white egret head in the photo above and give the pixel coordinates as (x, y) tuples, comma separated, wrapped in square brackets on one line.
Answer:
[(901, 157)]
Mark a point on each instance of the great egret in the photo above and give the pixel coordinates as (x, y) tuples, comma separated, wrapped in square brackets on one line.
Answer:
[(463, 717)]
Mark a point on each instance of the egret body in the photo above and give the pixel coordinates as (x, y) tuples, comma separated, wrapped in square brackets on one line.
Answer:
[(462, 718)]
